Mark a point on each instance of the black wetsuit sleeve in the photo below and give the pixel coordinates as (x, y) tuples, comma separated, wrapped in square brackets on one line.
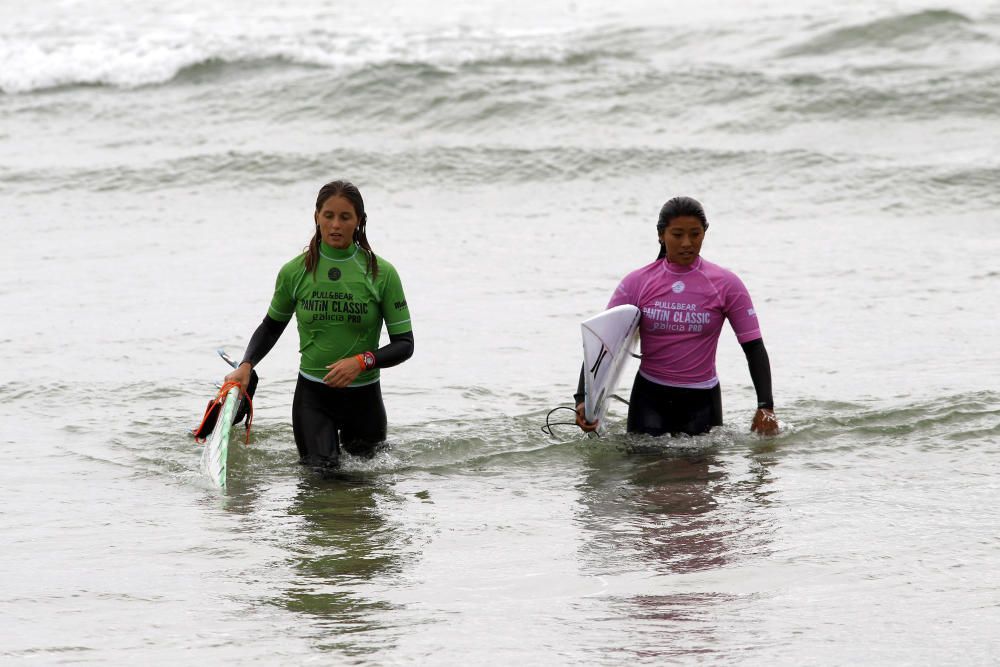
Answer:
[(760, 371), (578, 396), (398, 350), (263, 339)]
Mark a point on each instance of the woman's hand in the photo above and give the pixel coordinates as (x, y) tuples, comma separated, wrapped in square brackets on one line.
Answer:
[(764, 422), (342, 373), (240, 375), (582, 422)]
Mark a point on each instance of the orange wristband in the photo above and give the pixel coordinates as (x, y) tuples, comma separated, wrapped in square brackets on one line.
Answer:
[(361, 360)]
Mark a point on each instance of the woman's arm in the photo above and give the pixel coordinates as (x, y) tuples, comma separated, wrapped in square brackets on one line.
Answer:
[(396, 351), (399, 349), (263, 339), (261, 342), (764, 421)]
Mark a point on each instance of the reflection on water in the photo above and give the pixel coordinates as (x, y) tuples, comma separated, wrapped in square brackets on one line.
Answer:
[(347, 542), (677, 517), (348, 534), (338, 541), (677, 526), (675, 510)]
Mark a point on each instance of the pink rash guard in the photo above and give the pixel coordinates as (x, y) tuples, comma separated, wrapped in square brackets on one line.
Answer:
[(682, 312)]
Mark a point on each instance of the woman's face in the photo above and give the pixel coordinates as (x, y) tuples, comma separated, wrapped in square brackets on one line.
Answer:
[(683, 236), (337, 222)]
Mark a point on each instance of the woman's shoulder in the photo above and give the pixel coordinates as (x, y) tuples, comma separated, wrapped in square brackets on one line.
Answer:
[(385, 267), (294, 266), (712, 268), (719, 274)]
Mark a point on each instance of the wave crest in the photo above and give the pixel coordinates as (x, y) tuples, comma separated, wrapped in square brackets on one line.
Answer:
[(906, 31), (110, 60)]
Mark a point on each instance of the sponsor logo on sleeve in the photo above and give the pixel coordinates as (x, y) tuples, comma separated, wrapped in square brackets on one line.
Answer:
[(400, 305)]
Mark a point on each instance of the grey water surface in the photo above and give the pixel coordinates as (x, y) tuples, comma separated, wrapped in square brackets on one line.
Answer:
[(159, 163)]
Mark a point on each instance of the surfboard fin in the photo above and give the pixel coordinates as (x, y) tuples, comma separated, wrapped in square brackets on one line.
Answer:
[(208, 420), (211, 417), (214, 407), (243, 409)]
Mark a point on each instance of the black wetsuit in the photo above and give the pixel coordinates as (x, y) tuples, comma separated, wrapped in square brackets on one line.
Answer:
[(341, 308), (324, 418), (656, 409)]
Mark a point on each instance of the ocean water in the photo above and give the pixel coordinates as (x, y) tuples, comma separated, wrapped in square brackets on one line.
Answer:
[(159, 162)]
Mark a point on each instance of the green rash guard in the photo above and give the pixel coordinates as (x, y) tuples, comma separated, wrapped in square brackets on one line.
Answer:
[(339, 308)]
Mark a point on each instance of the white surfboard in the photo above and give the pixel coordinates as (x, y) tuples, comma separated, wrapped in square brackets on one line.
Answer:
[(215, 457), (608, 339)]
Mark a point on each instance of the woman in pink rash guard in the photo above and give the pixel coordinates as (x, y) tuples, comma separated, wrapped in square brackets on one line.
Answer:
[(684, 298)]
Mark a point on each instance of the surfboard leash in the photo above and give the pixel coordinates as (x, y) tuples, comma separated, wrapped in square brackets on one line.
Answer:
[(214, 409), (547, 429)]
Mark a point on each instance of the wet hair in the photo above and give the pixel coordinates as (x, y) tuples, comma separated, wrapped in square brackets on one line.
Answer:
[(350, 192), (679, 207)]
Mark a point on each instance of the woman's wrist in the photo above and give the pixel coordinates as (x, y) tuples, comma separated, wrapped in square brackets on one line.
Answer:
[(366, 360)]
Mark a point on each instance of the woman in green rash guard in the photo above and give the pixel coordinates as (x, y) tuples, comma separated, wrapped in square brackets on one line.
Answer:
[(340, 292)]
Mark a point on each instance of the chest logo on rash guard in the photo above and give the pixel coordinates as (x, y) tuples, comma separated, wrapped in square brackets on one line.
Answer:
[(677, 287), (333, 274)]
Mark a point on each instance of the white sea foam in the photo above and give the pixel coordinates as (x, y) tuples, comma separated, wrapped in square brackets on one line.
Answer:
[(116, 57)]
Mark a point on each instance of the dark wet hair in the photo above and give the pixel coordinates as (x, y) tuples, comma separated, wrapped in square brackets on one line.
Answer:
[(350, 192), (679, 207)]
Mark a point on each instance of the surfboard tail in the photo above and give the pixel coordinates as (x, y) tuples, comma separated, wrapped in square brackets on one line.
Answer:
[(215, 457)]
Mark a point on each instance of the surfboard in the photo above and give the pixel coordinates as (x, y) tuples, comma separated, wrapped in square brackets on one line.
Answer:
[(608, 339), (215, 457)]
